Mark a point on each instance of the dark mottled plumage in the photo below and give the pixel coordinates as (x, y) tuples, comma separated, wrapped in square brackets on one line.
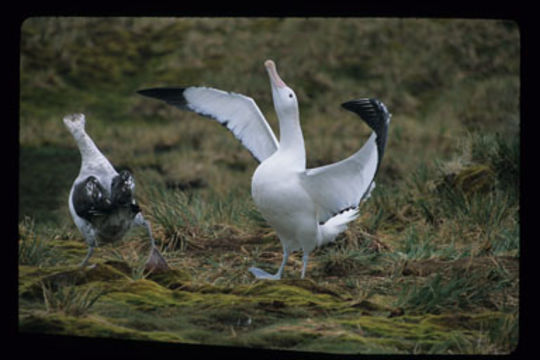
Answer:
[(90, 199), (122, 187), (101, 200)]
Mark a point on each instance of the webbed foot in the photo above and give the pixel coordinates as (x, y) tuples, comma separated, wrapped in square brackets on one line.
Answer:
[(156, 262), (261, 274)]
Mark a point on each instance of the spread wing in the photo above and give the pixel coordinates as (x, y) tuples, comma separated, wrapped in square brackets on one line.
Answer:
[(238, 113), (344, 184)]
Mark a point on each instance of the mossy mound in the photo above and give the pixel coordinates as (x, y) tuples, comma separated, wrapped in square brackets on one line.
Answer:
[(289, 314), (92, 326), (31, 279), (171, 279)]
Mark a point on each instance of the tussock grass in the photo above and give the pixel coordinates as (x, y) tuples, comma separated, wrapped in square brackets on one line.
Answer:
[(460, 285), (438, 294), (34, 249), (340, 261), (423, 244), (188, 219), (69, 299)]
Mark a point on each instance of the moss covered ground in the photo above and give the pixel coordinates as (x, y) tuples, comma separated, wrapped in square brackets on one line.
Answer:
[(430, 267)]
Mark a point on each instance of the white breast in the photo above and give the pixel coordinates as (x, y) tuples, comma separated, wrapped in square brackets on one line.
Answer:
[(284, 203)]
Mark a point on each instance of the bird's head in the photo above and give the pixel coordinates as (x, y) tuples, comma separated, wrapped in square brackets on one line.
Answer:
[(285, 101), (75, 123)]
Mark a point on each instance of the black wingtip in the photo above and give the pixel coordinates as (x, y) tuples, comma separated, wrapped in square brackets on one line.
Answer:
[(376, 116), (371, 110), (365, 105), (352, 105), (161, 92), (171, 95)]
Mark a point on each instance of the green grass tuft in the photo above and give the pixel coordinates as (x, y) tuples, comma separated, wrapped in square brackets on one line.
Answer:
[(33, 248), (69, 299)]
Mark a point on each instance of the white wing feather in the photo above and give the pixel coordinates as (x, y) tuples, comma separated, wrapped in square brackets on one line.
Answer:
[(342, 185), (239, 113)]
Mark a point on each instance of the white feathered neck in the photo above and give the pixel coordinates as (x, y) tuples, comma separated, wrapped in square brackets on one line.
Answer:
[(92, 160)]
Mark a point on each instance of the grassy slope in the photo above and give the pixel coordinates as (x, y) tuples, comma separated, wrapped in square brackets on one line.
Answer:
[(431, 266)]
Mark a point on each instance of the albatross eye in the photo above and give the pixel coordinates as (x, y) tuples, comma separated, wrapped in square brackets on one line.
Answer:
[(290, 95)]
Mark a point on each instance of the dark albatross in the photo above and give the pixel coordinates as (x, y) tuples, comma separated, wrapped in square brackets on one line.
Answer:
[(101, 200)]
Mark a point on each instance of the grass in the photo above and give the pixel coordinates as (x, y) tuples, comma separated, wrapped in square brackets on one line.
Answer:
[(187, 219), (34, 249), (70, 300), (459, 292), (430, 267)]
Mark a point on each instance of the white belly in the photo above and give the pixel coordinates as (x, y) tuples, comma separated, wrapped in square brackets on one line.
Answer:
[(286, 206)]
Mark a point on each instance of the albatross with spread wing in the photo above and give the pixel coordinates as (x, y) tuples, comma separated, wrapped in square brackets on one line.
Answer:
[(306, 207)]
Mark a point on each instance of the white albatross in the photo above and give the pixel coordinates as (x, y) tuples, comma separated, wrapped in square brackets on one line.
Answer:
[(306, 207), (101, 200)]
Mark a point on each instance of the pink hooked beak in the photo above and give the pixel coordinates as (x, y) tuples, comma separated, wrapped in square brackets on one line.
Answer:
[(271, 67)]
